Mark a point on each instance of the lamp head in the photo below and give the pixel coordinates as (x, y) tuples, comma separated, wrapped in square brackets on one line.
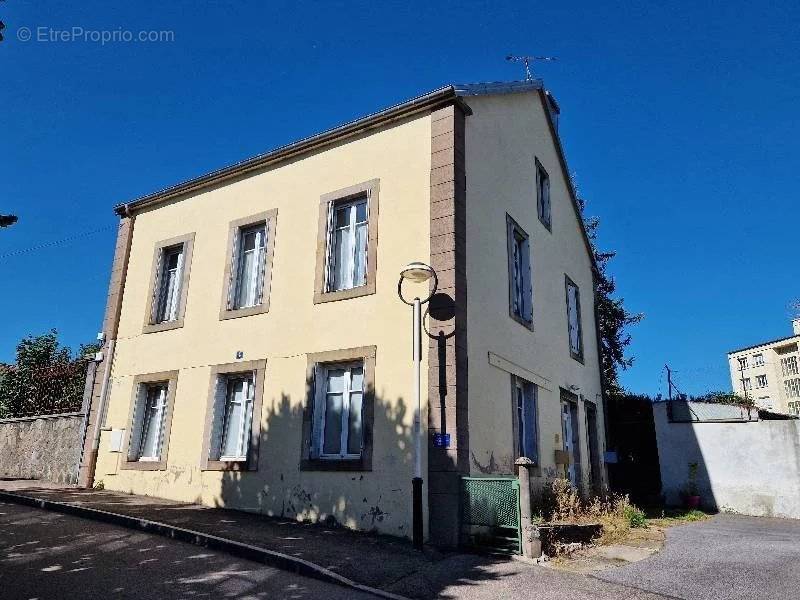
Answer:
[(417, 272)]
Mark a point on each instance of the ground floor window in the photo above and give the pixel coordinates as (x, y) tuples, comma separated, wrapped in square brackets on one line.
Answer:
[(235, 417), (525, 394), (340, 398)]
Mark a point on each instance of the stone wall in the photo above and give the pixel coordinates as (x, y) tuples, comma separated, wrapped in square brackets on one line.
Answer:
[(749, 467), (46, 447)]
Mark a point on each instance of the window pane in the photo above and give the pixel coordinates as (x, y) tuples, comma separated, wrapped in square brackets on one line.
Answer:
[(150, 446), (335, 381), (574, 325), (361, 212), (247, 264), (342, 260), (530, 421), (354, 423), (234, 414), (169, 292), (357, 379), (333, 424), (359, 276), (342, 218)]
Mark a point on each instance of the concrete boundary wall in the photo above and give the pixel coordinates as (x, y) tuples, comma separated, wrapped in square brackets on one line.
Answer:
[(747, 467), (45, 447)]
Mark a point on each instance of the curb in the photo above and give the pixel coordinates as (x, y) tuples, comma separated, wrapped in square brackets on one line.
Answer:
[(272, 558)]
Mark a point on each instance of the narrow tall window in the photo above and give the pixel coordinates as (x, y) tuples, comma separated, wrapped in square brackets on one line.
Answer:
[(747, 384), (743, 363), (761, 381), (525, 394), (543, 195), (519, 273), (792, 387), (248, 287), (574, 327), (758, 360), (338, 429), (169, 284), (347, 245), (233, 436), (151, 425)]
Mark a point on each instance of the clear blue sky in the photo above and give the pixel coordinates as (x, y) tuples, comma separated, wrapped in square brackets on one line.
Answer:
[(680, 123)]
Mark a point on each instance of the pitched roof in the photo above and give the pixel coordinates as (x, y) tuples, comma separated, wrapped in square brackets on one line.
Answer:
[(443, 96)]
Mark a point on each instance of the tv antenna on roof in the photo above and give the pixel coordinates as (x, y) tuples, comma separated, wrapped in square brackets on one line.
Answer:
[(527, 60)]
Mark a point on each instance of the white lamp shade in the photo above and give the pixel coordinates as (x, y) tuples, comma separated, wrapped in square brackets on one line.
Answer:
[(417, 272)]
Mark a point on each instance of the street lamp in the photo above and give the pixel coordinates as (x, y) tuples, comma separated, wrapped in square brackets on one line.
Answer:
[(417, 272)]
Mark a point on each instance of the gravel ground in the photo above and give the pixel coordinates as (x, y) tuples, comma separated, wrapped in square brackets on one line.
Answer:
[(728, 557)]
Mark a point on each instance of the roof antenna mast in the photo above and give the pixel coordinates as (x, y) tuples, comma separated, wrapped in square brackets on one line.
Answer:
[(527, 60)]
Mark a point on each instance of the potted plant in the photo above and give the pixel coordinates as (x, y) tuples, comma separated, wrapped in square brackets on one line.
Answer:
[(691, 494)]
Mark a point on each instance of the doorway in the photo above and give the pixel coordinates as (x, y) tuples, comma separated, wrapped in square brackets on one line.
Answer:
[(571, 436)]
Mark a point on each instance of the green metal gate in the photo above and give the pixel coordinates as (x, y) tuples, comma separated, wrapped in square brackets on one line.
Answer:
[(490, 517)]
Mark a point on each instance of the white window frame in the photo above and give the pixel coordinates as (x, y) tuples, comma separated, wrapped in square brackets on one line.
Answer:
[(792, 387), (759, 380), (225, 398), (318, 431), (260, 264), (544, 207), (744, 363), (758, 359), (577, 324), (330, 254), (143, 423), (794, 408), (520, 273), (167, 310), (747, 384), (525, 398)]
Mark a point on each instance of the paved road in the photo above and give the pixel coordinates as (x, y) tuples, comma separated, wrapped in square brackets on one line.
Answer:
[(725, 558), (50, 556)]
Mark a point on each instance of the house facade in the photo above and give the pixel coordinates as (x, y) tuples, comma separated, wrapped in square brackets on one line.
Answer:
[(769, 373), (256, 353)]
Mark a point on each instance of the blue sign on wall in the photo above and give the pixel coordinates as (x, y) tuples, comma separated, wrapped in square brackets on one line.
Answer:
[(441, 440)]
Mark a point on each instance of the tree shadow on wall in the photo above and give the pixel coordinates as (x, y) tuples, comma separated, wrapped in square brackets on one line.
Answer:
[(312, 514)]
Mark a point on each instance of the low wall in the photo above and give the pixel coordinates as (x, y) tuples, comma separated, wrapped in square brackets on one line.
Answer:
[(749, 467), (47, 447)]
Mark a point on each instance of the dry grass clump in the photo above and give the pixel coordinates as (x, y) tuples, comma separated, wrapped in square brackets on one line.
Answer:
[(563, 504)]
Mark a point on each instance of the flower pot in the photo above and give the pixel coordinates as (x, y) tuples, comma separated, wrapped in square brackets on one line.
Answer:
[(693, 502)]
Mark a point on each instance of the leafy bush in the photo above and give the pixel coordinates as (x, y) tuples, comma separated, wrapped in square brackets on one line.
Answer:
[(635, 516)]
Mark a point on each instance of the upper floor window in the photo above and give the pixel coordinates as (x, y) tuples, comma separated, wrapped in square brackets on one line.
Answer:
[(792, 387), (169, 285), (348, 235), (789, 366), (543, 195), (574, 327), (758, 360), (167, 299), (525, 394), (248, 271), (761, 381), (519, 273), (747, 385), (794, 408), (743, 362), (347, 245)]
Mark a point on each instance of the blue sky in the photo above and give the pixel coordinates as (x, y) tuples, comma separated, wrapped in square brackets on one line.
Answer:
[(680, 123)]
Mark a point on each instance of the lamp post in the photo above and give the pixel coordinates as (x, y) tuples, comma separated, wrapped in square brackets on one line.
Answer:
[(417, 272)]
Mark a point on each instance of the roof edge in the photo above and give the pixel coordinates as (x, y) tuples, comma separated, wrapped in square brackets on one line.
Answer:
[(769, 343), (434, 99)]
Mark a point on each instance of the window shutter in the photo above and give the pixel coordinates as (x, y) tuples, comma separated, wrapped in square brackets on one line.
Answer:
[(546, 200), (527, 271), (136, 423), (532, 435), (234, 275), (318, 411), (156, 300), (262, 264), (218, 417)]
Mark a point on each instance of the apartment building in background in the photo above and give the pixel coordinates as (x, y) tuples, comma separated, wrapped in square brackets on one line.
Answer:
[(257, 355), (769, 373)]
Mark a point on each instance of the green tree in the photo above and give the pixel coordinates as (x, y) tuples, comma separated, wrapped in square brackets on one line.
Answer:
[(46, 377)]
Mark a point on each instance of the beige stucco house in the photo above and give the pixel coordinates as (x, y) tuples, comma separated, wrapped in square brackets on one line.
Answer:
[(257, 355), (769, 373)]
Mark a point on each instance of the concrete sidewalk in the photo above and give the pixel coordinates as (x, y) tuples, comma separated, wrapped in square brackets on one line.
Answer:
[(342, 556)]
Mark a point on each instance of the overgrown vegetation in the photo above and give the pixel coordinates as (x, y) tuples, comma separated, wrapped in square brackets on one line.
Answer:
[(46, 377), (724, 398), (562, 504)]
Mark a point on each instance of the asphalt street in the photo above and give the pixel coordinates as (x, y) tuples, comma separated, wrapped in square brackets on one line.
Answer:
[(50, 556)]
